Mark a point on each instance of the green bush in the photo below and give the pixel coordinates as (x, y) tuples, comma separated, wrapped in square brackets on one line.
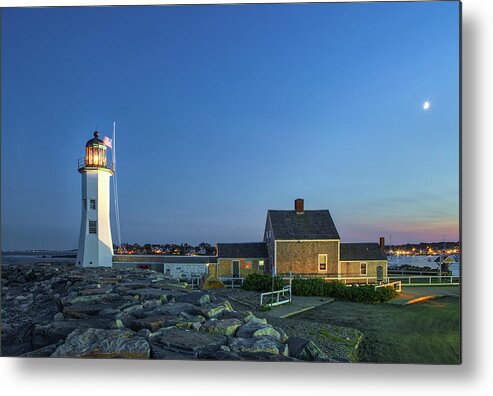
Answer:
[(262, 282), (362, 294)]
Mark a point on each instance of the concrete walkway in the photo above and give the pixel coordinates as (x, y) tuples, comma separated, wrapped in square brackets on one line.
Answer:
[(415, 294), (298, 304)]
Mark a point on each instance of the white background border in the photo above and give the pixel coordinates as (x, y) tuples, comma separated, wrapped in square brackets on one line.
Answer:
[(93, 377)]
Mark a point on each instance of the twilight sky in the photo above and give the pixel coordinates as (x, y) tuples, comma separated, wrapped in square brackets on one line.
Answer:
[(224, 112)]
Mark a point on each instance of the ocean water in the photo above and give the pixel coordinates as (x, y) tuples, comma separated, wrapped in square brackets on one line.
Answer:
[(422, 261), (8, 259)]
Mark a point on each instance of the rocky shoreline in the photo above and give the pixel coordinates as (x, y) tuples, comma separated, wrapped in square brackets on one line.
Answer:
[(54, 310)]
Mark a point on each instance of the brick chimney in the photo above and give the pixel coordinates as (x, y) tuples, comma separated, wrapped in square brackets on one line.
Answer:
[(299, 205), (382, 243)]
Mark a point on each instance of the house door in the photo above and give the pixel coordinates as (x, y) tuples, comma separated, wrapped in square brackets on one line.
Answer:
[(379, 273), (236, 269)]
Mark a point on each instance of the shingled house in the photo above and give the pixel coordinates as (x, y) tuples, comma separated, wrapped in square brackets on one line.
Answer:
[(304, 242), (237, 260)]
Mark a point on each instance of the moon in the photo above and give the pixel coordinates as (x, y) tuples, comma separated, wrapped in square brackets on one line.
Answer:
[(426, 105)]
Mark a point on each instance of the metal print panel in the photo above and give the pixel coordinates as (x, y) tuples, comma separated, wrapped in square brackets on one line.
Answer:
[(262, 182)]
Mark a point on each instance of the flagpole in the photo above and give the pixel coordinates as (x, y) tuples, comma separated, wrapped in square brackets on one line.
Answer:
[(115, 189)]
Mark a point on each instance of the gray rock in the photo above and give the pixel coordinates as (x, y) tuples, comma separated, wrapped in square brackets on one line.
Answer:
[(173, 309), (257, 345), (187, 341), (50, 333), (154, 323), (91, 298), (195, 298), (83, 310), (214, 310), (221, 326), (58, 317), (303, 349), (46, 351), (283, 336), (147, 293), (254, 329), (144, 333), (109, 312), (244, 316), (97, 343), (258, 320)]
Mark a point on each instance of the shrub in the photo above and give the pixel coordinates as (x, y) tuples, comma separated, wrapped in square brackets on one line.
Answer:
[(213, 282), (362, 294), (262, 282)]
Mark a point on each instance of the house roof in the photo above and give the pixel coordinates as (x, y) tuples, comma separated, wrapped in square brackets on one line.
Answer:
[(242, 250), (311, 224), (361, 251)]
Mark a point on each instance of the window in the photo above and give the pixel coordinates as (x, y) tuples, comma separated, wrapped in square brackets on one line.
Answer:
[(84, 204), (322, 262), (261, 265), (248, 264), (93, 204), (363, 269), (93, 226)]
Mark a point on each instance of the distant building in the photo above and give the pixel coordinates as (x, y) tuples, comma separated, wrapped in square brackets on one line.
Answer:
[(302, 242)]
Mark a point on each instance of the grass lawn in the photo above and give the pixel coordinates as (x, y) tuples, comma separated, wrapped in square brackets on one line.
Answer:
[(420, 333)]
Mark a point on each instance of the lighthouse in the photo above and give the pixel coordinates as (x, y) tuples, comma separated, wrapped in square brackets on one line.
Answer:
[(95, 243)]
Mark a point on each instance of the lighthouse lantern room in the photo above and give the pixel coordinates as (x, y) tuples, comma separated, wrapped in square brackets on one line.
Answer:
[(95, 243)]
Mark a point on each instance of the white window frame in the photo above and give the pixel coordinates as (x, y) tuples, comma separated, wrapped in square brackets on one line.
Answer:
[(326, 262), (361, 268)]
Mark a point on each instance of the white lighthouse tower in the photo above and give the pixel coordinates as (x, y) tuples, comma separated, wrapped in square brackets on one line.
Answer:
[(95, 243)]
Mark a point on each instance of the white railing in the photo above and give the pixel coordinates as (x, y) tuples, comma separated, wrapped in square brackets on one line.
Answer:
[(194, 281), (277, 297), (421, 280), (232, 282), (394, 285), (406, 280), (354, 279)]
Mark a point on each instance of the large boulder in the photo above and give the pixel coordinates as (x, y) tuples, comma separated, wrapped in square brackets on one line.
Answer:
[(154, 323), (303, 349), (84, 310), (45, 351), (53, 332), (97, 343), (258, 345), (91, 299), (255, 329), (147, 293), (221, 326), (186, 341), (195, 298), (214, 310), (187, 321), (244, 316), (173, 309)]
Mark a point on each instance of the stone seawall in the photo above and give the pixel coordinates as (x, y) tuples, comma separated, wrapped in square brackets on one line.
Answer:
[(64, 311)]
